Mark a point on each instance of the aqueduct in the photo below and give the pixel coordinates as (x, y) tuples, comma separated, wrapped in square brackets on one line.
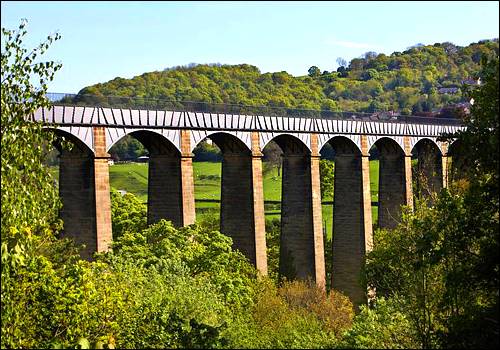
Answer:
[(171, 136)]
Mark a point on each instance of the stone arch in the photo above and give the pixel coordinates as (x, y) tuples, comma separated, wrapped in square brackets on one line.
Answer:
[(79, 145), (155, 143), (414, 141), (81, 136), (326, 138), (290, 144), (304, 139), (230, 143), (164, 177), (391, 181), (395, 142), (114, 135), (244, 138), (458, 165), (428, 172)]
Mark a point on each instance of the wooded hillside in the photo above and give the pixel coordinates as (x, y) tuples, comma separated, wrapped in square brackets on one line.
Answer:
[(420, 79)]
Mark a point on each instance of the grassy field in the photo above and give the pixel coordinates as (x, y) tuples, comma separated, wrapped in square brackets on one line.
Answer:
[(133, 177)]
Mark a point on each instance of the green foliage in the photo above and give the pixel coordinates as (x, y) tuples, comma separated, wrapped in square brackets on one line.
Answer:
[(205, 152), (406, 82), (327, 172), (381, 327), (127, 148), (28, 199), (128, 213), (273, 236), (296, 315)]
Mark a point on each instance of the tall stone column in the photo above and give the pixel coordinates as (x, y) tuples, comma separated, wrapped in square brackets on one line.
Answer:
[(317, 213), (84, 192), (392, 184), (102, 191), (258, 206), (301, 248), (352, 219), (242, 201), (444, 163), (408, 173), (187, 180)]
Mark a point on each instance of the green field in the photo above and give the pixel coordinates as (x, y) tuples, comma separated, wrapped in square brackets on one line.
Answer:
[(133, 177)]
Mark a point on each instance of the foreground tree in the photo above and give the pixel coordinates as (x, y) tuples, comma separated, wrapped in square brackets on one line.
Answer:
[(29, 199), (442, 262)]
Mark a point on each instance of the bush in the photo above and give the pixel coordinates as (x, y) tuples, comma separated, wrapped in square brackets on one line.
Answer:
[(383, 327)]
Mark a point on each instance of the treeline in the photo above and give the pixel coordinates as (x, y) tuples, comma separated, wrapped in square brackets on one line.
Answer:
[(418, 80)]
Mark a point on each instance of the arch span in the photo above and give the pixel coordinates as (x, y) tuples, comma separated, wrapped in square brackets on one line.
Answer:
[(428, 172), (165, 200), (392, 181)]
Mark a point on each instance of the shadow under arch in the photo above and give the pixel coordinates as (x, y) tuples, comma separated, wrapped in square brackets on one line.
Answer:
[(391, 181), (458, 165), (165, 197), (428, 171)]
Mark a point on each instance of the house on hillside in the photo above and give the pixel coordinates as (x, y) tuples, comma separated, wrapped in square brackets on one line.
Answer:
[(448, 90)]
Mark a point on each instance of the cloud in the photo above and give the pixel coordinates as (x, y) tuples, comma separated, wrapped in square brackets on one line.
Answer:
[(352, 44)]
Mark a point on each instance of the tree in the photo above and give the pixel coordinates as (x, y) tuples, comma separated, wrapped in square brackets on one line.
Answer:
[(314, 72), (326, 171), (443, 260), (29, 199), (341, 62)]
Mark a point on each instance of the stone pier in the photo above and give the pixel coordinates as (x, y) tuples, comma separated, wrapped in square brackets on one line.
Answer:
[(352, 219), (242, 198), (84, 191), (301, 243)]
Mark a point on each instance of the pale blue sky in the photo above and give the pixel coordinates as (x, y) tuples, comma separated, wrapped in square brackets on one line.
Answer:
[(104, 40)]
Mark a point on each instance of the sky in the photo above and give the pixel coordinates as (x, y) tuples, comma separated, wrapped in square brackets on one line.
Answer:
[(104, 40)]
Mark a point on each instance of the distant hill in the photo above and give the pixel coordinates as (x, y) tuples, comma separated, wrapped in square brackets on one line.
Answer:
[(420, 79)]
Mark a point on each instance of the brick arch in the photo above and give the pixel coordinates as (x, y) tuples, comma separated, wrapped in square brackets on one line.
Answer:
[(155, 143), (80, 146), (414, 141), (290, 144), (243, 137), (304, 139), (343, 144), (397, 141), (81, 136), (113, 135), (389, 145), (229, 143)]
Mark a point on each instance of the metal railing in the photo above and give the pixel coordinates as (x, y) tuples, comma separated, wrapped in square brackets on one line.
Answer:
[(108, 101)]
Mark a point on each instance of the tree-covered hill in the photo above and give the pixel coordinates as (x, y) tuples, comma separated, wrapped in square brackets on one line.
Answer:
[(420, 79)]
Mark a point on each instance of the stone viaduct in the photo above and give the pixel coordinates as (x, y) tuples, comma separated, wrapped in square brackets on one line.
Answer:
[(170, 137)]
